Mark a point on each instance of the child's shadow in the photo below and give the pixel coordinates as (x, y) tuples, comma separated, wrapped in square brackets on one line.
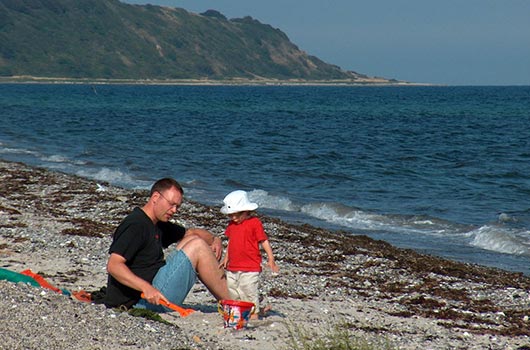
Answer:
[(214, 308), (271, 313)]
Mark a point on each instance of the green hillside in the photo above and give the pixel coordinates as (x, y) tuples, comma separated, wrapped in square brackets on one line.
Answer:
[(112, 40)]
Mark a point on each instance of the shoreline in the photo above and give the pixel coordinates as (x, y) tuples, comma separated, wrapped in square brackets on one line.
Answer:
[(60, 225), (209, 82)]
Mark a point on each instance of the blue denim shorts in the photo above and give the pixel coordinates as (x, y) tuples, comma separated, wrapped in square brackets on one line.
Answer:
[(174, 280)]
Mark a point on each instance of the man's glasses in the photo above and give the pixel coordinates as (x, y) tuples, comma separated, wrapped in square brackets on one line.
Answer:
[(175, 205)]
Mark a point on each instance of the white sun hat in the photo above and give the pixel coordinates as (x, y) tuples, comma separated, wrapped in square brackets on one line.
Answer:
[(237, 201)]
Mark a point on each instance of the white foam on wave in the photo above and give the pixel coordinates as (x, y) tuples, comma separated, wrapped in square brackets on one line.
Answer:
[(357, 219), (55, 161), (265, 200), (8, 150), (502, 240), (345, 216), (57, 158), (353, 218), (491, 237), (108, 175), (333, 213)]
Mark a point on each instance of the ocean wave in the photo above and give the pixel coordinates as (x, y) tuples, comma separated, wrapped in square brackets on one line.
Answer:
[(57, 158), (112, 176), (345, 216), (22, 151), (501, 239), (358, 219), (264, 199)]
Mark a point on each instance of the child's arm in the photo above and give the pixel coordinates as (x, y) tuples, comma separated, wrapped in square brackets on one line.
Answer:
[(270, 258)]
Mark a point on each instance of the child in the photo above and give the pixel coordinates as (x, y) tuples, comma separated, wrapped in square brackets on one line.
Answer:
[(243, 258)]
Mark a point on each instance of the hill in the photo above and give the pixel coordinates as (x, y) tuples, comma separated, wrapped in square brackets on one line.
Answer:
[(107, 39)]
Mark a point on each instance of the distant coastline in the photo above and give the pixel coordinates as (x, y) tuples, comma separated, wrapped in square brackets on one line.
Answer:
[(151, 47), (368, 81)]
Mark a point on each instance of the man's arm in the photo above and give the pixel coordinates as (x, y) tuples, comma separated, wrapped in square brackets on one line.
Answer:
[(213, 241), (117, 268)]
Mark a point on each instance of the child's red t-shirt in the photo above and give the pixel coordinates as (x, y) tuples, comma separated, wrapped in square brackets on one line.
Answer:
[(243, 246)]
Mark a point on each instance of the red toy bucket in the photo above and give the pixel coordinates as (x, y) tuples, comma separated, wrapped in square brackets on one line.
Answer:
[(235, 313)]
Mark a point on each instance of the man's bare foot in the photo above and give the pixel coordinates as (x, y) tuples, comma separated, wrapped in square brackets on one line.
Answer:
[(254, 317)]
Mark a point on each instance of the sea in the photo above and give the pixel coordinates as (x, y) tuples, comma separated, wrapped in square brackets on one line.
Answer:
[(442, 170)]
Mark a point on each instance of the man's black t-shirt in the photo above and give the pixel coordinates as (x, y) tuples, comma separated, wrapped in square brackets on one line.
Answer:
[(141, 243)]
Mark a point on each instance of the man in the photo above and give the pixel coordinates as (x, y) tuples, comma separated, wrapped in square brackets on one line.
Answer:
[(136, 264)]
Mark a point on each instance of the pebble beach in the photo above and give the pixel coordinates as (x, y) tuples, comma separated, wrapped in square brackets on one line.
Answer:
[(60, 226)]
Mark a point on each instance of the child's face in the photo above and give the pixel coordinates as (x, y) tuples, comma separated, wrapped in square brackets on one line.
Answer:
[(238, 218)]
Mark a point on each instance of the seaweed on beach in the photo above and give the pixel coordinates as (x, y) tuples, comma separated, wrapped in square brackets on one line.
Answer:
[(320, 261), (147, 314), (88, 228)]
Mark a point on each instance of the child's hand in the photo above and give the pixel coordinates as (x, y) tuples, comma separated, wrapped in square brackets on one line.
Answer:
[(223, 264), (274, 268)]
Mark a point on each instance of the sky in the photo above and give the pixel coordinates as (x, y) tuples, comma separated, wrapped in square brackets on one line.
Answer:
[(451, 42)]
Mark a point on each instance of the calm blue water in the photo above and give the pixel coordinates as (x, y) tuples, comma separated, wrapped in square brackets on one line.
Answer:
[(443, 170)]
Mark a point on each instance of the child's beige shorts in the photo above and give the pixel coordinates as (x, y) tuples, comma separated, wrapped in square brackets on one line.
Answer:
[(244, 286)]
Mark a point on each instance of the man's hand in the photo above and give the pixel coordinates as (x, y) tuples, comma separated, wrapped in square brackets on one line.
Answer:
[(215, 242), (119, 270), (153, 295), (217, 247)]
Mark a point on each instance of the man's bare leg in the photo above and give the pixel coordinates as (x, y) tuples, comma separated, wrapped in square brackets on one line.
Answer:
[(206, 265)]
